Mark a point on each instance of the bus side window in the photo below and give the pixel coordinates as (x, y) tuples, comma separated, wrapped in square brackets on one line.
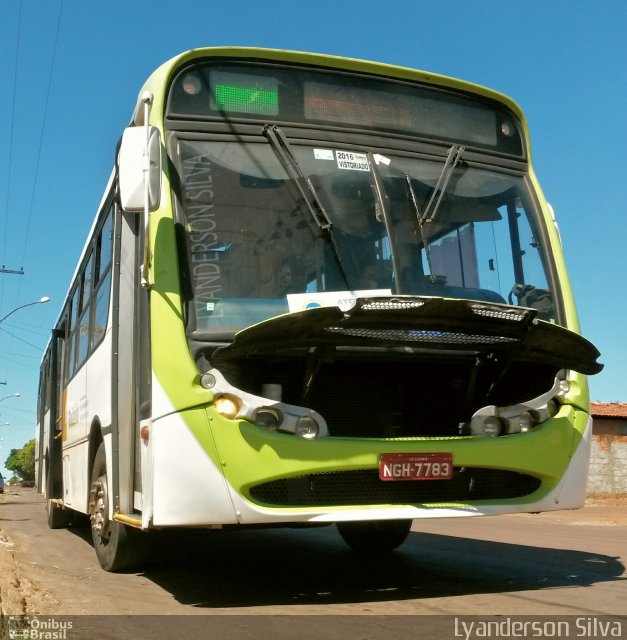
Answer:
[(58, 378), (103, 249), (102, 282), (71, 337), (47, 384), (84, 322)]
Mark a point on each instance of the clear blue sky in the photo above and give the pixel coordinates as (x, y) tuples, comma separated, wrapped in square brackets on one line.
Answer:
[(61, 116)]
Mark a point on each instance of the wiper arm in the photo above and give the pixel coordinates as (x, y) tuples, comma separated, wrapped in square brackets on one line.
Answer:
[(431, 210), (306, 189), (414, 203), (452, 160), (303, 183), (382, 211)]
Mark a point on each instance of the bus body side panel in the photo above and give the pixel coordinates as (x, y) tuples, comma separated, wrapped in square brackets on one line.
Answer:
[(88, 402), (572, 489), (75, 485), (189, 489), (186, 484), (75, 439)]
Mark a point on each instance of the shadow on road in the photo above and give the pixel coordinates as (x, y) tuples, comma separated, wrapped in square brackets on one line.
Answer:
[(214, 569)]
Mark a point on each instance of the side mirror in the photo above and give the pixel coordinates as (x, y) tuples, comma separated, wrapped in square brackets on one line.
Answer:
[(133, 167)]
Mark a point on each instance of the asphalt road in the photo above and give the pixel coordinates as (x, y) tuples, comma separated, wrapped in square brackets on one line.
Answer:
[(558, 564)]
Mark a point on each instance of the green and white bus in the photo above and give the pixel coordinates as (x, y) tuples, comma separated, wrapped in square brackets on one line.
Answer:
[(317, 290)]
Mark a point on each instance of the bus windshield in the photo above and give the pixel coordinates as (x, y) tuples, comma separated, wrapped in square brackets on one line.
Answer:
[(256, 251)]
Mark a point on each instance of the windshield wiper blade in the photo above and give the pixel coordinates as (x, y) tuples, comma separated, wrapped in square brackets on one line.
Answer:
[(283, 151), (452, 160), (414, 203), (382, 211), (303, 183)]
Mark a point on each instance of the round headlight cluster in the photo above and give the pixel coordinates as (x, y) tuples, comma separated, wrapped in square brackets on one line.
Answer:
[(307, 427), (526, 421), (268, 414), (492, 426), (492, 423), (268, 419), (227, 406)]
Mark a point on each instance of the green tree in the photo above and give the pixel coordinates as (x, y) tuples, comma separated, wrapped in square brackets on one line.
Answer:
[(22, 461)]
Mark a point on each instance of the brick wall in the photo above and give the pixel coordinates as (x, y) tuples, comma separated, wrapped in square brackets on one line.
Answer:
[(608, 461)]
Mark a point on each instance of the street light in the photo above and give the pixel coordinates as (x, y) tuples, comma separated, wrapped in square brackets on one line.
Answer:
[(13, 395), (30, 304)]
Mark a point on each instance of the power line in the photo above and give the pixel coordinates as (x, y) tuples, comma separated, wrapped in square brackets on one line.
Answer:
[(30, 344), (37, 164), (39, 331), (3, 354), (19, 364), (11, 132), (43, 129)]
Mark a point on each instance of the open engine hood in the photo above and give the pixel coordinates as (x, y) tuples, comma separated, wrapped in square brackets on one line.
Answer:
[(420, 323)]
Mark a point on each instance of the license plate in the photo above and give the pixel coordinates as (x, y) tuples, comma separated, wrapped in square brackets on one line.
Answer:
[(415, 466)]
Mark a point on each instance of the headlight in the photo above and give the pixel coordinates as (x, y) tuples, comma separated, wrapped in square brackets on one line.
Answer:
[(526, 421), (207, 381), (518, 418), (267, 412), (268, 419), (498, 421), (227, 406), (307, 427), (492, 426)]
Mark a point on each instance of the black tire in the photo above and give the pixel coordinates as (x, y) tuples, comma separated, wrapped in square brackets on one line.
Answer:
[(374, 536), (117, 546), (58, 518)]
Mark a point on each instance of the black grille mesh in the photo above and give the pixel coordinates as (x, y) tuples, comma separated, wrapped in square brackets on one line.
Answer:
[(506, 314), (363, 487), (416, 335), (394, 304)]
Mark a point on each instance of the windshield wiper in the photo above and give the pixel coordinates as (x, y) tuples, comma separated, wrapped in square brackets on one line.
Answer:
[(283, 151), (382, 212), (452, 160), (431, 210)]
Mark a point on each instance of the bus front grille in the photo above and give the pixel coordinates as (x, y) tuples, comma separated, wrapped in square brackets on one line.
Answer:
[(363, 487)]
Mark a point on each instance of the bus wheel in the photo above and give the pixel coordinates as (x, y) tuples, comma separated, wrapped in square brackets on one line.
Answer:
[(58, 518), (374, 536), (117, 547)]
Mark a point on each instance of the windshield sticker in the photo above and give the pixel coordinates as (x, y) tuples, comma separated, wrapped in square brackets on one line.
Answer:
[(352, 161), (379, 159), (323, 154), (345, 300)]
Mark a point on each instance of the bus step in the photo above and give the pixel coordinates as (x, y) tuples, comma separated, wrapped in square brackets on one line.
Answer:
[(130, 519)]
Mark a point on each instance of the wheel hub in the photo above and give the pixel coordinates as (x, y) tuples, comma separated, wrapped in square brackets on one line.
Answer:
[(99, 509)]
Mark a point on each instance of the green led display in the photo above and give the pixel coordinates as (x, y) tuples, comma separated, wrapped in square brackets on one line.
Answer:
[(246, 100)]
